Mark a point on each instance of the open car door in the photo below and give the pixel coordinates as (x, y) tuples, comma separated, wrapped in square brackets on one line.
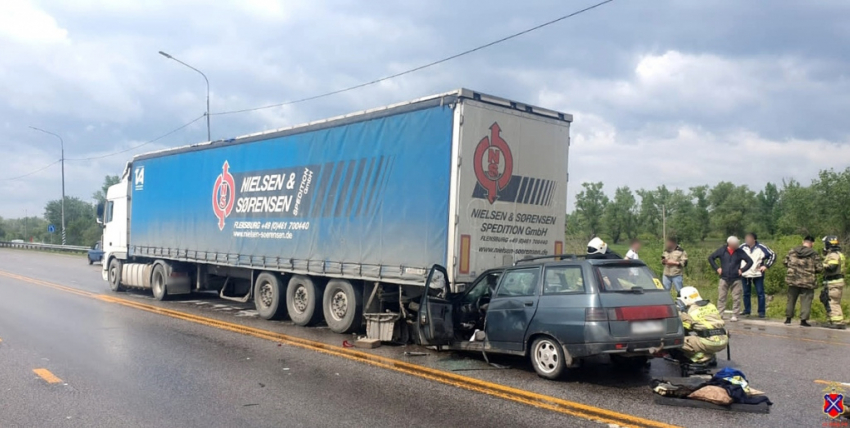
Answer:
[(436, 326)]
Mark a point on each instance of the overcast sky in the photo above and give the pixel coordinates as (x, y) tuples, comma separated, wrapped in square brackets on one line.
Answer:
[(680, 93)]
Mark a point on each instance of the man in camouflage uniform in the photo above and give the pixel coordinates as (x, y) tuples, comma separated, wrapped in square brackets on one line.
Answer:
[(803, 266), (833, 281)]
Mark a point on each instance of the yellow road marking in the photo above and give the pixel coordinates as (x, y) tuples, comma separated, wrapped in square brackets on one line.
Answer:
[(558, 405), (827, 382), (47, 376)]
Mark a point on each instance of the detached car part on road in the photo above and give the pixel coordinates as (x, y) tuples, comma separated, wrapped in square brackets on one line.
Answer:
[(555, 312)]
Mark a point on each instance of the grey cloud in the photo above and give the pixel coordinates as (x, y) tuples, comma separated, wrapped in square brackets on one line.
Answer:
[(105, 88)]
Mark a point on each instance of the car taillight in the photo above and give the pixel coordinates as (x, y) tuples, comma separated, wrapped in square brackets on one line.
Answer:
[(637, 313), (595, 314)]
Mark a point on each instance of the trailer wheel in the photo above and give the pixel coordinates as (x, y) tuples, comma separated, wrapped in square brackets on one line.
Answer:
[(268, 296), (343, 306), (113, 274), (302, 300), (158, 277)]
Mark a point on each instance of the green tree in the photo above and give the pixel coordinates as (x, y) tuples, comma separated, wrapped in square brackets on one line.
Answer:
[(619, 216), (653, 205), (796, 210), (832, 192), (702, 216), (79, 218), (590, 207), (732, 207), (109, 180), (649, 213), (768, 204), (683, 219)]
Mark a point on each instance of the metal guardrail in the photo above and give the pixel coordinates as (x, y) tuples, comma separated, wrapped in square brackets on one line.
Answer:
[(48, 247)]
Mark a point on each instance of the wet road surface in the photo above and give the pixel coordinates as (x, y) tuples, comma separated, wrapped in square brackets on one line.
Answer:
[(108, 364)]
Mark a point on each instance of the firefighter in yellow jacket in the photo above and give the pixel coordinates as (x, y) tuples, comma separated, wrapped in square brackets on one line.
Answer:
[(705, 333), (833, 279)]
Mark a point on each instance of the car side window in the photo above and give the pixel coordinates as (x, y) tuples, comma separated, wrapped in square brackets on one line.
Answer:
[(482, 287), (109, 211), (520, 282), (563, 280)]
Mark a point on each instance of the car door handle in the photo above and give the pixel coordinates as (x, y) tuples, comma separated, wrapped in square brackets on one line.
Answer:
[(529, 303)]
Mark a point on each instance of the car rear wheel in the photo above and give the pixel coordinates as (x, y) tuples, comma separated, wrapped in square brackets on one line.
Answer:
[(547, 357)]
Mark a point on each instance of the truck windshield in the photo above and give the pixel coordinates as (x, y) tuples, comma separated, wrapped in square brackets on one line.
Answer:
[(626, 278)]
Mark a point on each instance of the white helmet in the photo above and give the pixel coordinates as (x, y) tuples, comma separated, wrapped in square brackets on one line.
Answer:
[(689, 296), (597, 246)]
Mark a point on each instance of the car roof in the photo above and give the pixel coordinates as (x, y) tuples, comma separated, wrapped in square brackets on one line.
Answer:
[(573, 260)]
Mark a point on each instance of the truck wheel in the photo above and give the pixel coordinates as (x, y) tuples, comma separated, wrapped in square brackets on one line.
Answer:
[(343, 306), (302, 300), (114, 275), (268, 296), (158, 277), (547, 357), (91, 262)]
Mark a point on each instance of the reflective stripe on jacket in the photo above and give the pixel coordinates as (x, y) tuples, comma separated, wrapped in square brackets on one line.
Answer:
[(833, 266)]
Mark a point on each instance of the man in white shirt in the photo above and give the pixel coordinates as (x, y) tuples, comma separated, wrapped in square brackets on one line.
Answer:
[(763, 258), (634, 247)]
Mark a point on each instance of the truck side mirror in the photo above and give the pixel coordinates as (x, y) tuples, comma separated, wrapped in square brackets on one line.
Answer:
[(99, 213)]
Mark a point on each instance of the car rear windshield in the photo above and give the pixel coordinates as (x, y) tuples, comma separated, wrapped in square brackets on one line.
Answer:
[(618, 278)]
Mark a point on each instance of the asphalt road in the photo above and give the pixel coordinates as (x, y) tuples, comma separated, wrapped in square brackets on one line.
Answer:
[(116, 365)]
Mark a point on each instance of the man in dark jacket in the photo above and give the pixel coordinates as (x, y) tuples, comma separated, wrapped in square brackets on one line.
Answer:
[(733, 263), (803, 266)]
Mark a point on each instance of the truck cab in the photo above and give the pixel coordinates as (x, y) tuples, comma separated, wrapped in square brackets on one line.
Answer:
[(114, 217)]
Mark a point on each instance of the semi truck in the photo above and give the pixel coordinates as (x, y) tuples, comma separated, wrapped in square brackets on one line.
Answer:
[(341, 220)]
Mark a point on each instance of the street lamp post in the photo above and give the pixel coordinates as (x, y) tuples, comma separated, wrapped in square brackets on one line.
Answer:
[(62, 159), (208, 88)]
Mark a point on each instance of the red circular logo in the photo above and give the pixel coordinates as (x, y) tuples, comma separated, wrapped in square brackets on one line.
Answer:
[(222, 195), (494, 163)]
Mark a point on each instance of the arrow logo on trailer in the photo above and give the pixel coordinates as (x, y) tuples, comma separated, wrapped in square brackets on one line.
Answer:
[(495, 153), (222, 197)]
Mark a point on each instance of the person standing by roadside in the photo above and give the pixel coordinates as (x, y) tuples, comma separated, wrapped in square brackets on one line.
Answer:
[(803, 266), (763, 258), (674, 259), (634, 247), (733, 263), (833, 282)]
